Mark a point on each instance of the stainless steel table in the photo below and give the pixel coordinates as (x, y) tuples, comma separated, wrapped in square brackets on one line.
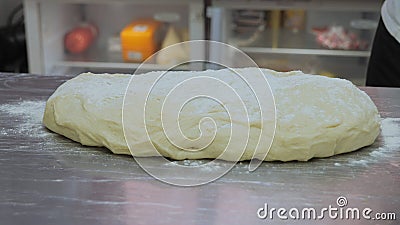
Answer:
[(48, 179)]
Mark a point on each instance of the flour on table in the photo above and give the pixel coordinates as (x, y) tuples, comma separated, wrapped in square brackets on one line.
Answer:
[(31, 115), (389, 144)]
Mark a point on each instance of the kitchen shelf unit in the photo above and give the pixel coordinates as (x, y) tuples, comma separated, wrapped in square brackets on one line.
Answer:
[(47, 21), (298, 50)]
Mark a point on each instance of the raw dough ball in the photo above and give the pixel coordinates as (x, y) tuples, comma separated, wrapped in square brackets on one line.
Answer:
[(316, 116)]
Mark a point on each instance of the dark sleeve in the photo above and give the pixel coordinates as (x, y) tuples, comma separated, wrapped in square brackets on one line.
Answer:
[(384, 62)]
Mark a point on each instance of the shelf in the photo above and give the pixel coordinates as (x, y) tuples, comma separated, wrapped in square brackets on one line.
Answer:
[(350, 68), (354, 5), (299, 43), (296, 51), (110, 65), (101, 59)]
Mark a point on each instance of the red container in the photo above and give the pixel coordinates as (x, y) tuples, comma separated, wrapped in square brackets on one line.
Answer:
[(80, 38)]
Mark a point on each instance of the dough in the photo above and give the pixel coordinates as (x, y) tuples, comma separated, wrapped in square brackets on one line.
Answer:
[(316, 116)]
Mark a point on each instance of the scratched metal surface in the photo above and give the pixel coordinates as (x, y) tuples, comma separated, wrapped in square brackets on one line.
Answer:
[(48, 179)]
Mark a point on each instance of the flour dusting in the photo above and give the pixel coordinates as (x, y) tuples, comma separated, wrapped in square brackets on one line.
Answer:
[(391, 127), (29, 122), (390, 133)]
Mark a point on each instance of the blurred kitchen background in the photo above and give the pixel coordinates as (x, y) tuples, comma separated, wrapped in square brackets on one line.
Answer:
[(13, 52), (327, 37)]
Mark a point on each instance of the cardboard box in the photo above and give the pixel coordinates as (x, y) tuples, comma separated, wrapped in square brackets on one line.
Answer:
[(140, 39)]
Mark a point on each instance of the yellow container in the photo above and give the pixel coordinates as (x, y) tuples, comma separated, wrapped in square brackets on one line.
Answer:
[(140, 39)]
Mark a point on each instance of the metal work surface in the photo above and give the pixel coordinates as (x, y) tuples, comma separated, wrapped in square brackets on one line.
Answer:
[(48, 179)]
